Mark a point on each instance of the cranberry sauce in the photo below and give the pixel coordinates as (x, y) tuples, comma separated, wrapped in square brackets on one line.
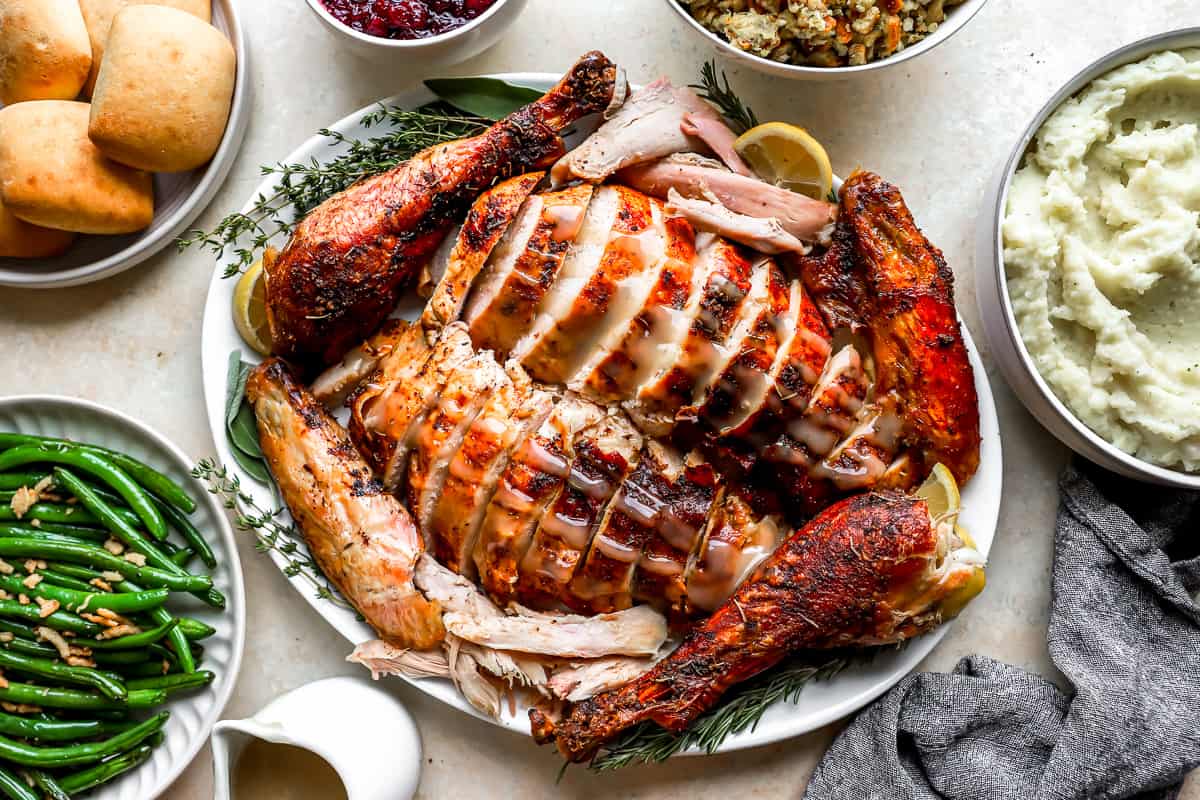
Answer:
[(406, 19)]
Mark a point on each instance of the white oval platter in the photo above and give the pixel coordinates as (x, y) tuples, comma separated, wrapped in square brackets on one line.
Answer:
[(820, 704)]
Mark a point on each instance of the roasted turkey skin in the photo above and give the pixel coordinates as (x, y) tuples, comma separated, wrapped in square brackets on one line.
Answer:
[(361, 537), (348, 261)]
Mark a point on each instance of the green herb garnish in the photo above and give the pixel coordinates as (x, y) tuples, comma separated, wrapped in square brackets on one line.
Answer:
[(241, 428), (741, 709), (740, 116)]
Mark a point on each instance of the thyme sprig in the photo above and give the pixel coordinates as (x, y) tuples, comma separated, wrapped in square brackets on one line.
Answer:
[(740, 116), (740, 710), (303, 186), (270, 532)]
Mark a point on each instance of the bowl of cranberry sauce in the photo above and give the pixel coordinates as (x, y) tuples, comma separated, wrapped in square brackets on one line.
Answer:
[(418, 32)]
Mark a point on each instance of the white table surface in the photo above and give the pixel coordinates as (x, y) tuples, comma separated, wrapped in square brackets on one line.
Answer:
[(936, 126)]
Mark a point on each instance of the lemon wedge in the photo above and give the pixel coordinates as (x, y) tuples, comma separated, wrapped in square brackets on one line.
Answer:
[(787, 156), (250, 307), (940, 493)]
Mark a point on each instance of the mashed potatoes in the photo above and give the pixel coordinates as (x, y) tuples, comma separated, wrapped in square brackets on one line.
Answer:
[(1102, 252)]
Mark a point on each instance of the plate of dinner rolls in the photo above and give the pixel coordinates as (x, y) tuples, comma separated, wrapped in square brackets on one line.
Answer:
[(119, 119)]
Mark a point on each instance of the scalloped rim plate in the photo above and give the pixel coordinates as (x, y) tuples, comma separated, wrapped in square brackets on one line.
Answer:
[(192, 714), (820, 704)]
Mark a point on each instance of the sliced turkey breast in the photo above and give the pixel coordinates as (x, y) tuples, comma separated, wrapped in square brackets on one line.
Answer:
[(584, 679), (801, 216), (535, 475), (441, 434), (502, 308), (506, 416), (602, 457), (334, 384), (634, 351), (745, 378), (486, 223), (387, 410), (568, 331), (710, 318), (735, 542), (764, 234)]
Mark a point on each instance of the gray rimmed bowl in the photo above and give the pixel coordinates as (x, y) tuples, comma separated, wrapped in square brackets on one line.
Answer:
[(995, 305), (956, 18), (178, 197)]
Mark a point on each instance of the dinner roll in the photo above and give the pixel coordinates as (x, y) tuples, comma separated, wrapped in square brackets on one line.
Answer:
[(164, 91), (98, 16), (44, 50), (52, 175), (19, 239)]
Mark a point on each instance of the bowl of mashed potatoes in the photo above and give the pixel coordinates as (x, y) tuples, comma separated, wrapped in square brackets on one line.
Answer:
[(1089, 260)]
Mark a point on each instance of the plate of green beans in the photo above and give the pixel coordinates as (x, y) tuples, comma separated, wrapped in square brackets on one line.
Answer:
[(122, 614)]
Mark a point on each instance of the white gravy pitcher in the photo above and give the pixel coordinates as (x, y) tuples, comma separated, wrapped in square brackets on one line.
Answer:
[(363, 732)]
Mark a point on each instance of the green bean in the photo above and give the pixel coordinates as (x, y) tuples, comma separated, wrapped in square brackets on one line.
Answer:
[(56, 670), (132, 641), (95, 465), (190, 534), (17, 629), (129, 535), (66, 581), (48, 785), (59, 620), (78, 699), (174, 682), (76, 754), (122, 658), (49, 512), (175, 637), (26, 647), (78, 571), (195, 629), (74, 600), (183, 556), (57, 730), (15, 788), (105, 771), (102, 559), (15, 480), (149, 477), (82, 532), (149, 669), (42, 536)]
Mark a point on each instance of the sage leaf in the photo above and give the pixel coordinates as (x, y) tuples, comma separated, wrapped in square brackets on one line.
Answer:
[(490, 98), (244, 432), (252, 466)]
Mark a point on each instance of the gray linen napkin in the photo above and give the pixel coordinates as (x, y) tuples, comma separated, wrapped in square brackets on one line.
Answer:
[(1125, 632)]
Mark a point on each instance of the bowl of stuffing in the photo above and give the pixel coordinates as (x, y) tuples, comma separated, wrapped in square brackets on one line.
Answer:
[(821, 39)]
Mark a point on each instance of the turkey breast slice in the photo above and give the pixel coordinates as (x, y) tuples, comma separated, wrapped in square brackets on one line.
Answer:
[(602, 457), (489, 219), (503, 307)]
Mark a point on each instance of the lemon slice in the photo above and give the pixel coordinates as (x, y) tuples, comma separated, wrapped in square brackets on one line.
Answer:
[(787, 156), (250, 307), (940, 493)]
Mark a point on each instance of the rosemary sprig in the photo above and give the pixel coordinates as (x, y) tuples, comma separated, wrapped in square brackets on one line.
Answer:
[(740, 116), (271, 534), (303, 186), (741, 709)]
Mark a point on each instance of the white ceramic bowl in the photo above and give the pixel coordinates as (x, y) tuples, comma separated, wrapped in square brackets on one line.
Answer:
[(995, 306), (956, 18), (178, 198), (447, 48), (193, 714)]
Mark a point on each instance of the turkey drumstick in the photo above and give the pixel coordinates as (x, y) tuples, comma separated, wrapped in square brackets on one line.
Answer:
[(347, 262)]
